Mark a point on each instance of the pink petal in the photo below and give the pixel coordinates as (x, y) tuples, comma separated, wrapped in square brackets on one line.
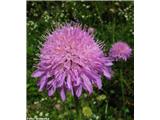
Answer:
[(79, 91), (99, 83), (37, 73), (60, 80), (63, 96), (107, 73), (95, 77), (51, 91), (69, 83), (42, 83), (87, 83)]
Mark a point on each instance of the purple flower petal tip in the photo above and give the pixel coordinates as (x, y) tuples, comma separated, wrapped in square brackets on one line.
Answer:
[(37, 73)]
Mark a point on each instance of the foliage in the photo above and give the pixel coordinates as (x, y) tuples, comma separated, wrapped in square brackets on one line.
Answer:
[(112, 21)]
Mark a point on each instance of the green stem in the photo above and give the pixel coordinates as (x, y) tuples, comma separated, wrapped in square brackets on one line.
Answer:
[(122, 87), (113, 30), (106, 110), (122, 90), (77, 106)]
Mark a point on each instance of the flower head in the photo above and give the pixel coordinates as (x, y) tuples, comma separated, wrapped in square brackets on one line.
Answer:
[(70, 60), (120, 50)]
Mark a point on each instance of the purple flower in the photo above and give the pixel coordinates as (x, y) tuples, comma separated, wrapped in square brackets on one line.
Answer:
[(71, 60), (120, 50)]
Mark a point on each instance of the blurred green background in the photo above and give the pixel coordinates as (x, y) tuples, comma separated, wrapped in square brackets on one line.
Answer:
[(112, 21)]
